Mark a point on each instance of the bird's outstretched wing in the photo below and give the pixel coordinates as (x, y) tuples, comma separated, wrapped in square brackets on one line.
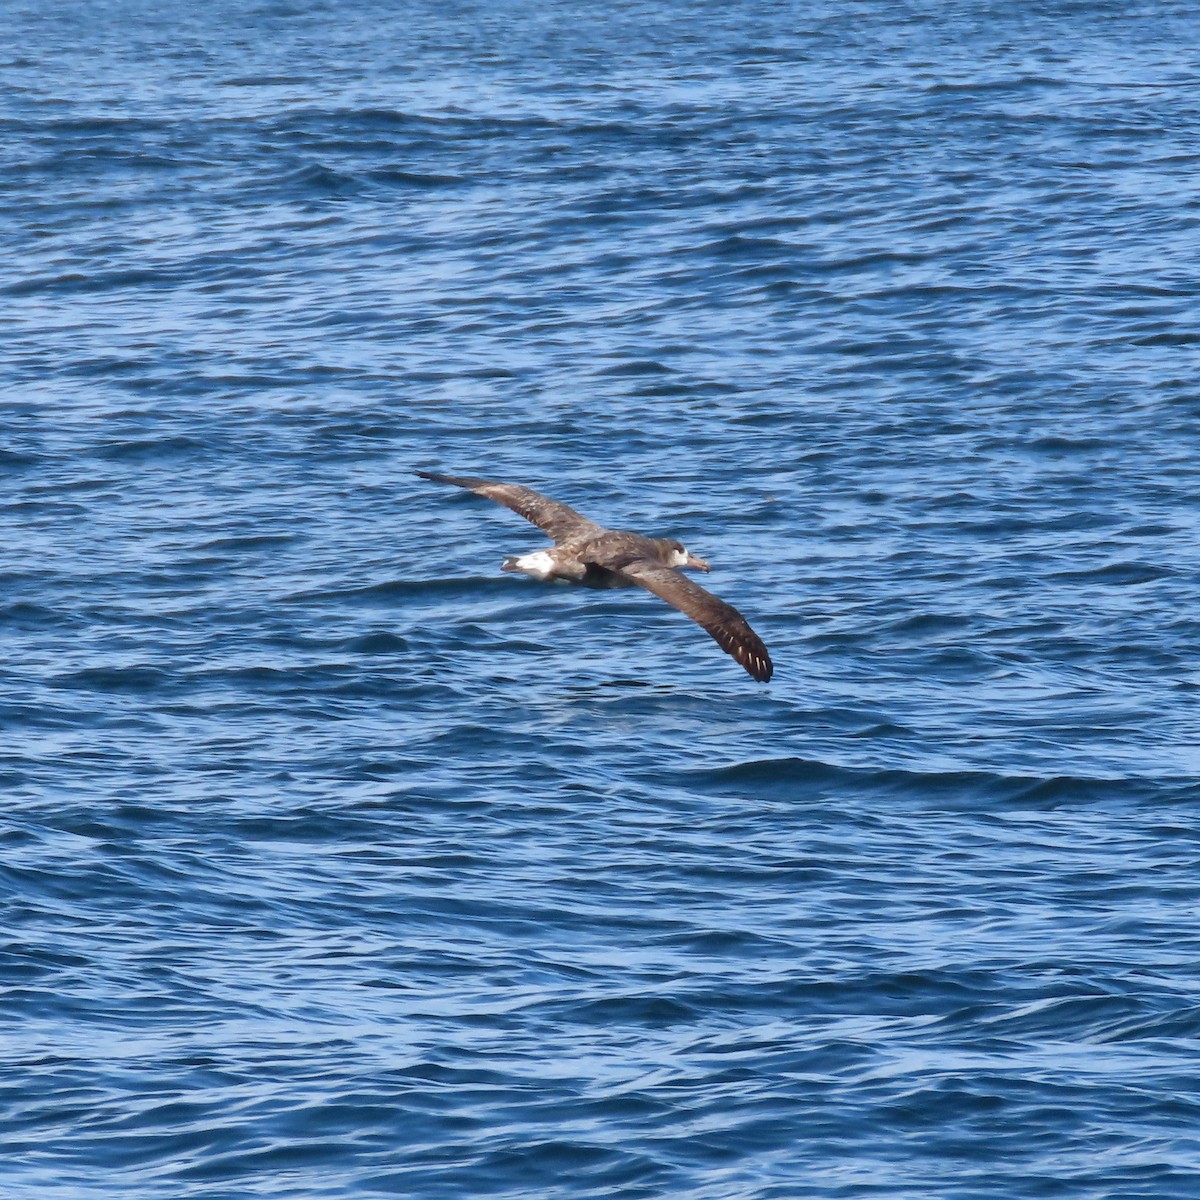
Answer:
[(722, 622), (558, 520)]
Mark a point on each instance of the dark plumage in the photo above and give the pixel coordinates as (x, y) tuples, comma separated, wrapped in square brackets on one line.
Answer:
[(589, 554)]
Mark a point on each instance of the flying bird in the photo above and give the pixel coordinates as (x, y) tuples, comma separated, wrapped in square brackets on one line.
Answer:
[(588, 554)]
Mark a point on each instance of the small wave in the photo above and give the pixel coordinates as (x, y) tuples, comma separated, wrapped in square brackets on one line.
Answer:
[(115, 679), (986, 86), (257, 541), (807, 778), (395, 177), (316, 179), (253, 81), (27, 614), (1173, 337), (636, 367), (655, 1012), (381, 642), (99, 281), (141, 449), (741, 245), (398, 589), (127, 127), (1124, 572)]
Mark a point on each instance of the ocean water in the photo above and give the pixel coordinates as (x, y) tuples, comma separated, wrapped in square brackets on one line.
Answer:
[(335, 863)]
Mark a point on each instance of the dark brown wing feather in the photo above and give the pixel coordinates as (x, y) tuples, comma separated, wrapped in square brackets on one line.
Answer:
[(722, 622), (558, 520)]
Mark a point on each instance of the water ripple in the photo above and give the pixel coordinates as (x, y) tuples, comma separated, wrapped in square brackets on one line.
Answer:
[(337, 863)]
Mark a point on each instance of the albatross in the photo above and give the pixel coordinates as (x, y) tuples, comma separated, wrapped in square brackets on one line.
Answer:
[(588, 554)]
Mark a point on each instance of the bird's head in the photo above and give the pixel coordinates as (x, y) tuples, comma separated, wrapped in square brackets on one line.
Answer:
[(676, 554)]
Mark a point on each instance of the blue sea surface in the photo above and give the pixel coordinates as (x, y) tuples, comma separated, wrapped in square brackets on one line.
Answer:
[(336, 863)]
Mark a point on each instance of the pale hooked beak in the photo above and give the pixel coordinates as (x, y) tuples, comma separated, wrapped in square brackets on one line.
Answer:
[(696, 563)]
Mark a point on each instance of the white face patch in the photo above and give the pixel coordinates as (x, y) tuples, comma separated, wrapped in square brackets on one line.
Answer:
[(679, 558)]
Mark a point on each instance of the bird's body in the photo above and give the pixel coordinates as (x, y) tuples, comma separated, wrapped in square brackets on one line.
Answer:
[(591, 559), (588, 554)]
